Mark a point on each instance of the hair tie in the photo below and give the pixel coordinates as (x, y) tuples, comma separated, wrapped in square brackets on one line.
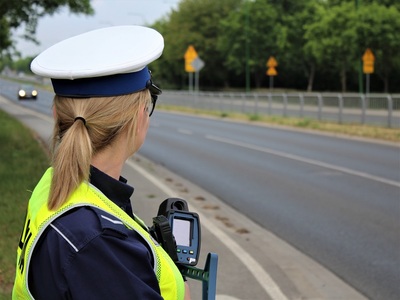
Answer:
[(82, 119)]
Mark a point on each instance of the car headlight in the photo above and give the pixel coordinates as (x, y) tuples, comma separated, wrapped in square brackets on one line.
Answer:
[(34, 93), (21, 93)]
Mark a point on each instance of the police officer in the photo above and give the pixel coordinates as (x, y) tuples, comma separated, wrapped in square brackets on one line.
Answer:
[(81, 239)]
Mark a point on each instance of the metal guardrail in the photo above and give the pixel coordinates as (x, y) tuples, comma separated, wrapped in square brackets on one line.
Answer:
[(372, 109)]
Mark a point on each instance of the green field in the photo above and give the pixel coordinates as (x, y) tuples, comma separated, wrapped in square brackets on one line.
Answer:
[(23, 160)]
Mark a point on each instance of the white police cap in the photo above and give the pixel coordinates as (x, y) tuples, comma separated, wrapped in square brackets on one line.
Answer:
[(104, 62)]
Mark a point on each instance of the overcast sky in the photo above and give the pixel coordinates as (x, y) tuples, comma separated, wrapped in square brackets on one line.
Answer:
[(52, 29)]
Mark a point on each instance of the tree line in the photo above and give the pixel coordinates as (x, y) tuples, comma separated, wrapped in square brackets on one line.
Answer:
[(318, 44)]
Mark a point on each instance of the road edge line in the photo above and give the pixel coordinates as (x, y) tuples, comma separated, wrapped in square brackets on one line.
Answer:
[(264, 279)]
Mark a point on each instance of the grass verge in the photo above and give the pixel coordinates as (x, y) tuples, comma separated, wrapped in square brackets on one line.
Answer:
[(23, 160), (355, 130)]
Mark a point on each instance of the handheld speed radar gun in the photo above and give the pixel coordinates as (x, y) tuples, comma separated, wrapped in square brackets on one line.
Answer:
[(178, 231)]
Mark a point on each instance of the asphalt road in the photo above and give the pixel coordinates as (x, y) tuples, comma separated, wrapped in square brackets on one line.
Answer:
[(335, 199)]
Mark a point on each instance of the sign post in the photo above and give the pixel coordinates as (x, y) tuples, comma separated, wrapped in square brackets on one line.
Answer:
[(271, 72), (189, 56), (197, 65), (368, 66)]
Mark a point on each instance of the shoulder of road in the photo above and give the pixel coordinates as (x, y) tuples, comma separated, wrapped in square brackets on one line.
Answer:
[(379, 131), (253, 262)]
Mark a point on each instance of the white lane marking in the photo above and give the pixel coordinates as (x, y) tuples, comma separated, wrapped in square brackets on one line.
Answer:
[(225, 297), (185, 131), (305, 160), (263, 278)]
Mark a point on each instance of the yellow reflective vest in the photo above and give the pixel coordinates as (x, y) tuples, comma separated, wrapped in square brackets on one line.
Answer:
[(39, 217)]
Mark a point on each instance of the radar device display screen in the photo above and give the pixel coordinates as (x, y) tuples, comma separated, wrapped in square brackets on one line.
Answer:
[(186, 230), (181, 232)]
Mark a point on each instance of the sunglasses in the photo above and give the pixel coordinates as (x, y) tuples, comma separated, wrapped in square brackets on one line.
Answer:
[(155, 91)]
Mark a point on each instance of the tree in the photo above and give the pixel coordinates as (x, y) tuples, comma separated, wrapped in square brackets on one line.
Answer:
[(196, 22), (342, 33), (296, 65), (378, 28), (14, 14), (262, 31), (332, 39), (361, 3), (22, 65)]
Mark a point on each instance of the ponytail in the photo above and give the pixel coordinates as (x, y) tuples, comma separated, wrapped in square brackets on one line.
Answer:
[(82, 128), (71, 163)]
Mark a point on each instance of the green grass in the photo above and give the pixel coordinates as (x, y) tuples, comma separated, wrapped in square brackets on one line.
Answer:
[(23, 160)]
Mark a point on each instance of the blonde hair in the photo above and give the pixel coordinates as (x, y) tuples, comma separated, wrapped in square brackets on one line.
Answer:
[(75, 142)]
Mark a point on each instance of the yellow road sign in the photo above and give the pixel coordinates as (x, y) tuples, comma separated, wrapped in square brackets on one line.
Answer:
[(188, 67), (368, 69), (368, 56), (190, 53), (189, 56), (272, 71), (368, 62), (272, 63)]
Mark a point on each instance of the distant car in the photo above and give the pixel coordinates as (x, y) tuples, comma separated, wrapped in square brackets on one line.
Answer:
[(27, 92)]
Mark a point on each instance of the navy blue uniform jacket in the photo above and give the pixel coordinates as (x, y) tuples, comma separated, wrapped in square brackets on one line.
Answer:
[(87, 254)]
